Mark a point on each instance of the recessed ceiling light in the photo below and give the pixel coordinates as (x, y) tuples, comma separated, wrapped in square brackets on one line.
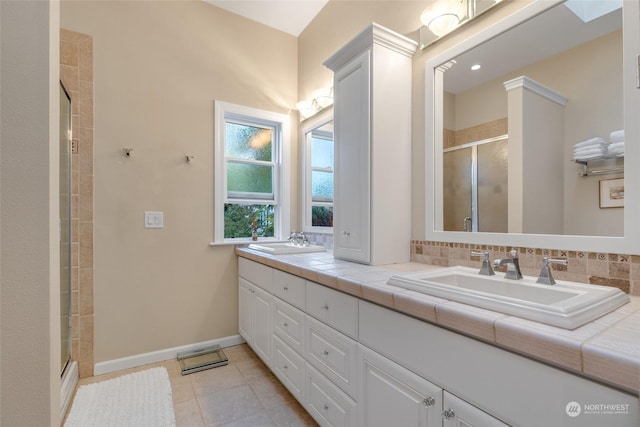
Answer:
[(476, 67)]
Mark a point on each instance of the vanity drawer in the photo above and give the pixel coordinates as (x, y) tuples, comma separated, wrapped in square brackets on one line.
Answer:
[(256, 273), (290, 368), (326, 403), (289, 288), (334, 308), (333, 354), (289, 325)]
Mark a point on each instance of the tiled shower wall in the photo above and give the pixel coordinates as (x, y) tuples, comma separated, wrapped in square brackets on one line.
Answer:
[(621, 271), (76, 73)]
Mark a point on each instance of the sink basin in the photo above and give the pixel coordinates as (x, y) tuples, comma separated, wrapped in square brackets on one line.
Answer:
[(566, 304), (285, 248)]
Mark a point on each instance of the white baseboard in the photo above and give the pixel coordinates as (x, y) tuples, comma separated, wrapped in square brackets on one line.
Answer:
[(161, 355)]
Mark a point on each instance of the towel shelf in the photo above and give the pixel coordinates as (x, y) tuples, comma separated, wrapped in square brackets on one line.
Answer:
[(588, 169)]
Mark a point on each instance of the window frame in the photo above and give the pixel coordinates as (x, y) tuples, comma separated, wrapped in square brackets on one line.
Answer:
[(281, 123), (307, 127)]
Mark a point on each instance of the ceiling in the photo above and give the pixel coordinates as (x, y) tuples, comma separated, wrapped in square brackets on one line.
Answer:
[(289, 16)]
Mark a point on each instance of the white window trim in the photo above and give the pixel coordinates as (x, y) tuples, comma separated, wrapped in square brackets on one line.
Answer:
[(309, 125), (282, 190)]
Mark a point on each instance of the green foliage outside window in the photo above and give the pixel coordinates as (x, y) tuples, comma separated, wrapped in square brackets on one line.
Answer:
[(321, 216), (238, 220)]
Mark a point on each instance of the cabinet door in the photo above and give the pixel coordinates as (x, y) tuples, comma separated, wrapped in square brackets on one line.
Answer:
[(327, 404), (262, 330), (459, 413), (392, 395), (352, 160), (245, 315)]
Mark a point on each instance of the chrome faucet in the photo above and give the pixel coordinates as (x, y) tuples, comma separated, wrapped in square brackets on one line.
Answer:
[(486, 269), (299, 239), (513, 265), (546, 278)]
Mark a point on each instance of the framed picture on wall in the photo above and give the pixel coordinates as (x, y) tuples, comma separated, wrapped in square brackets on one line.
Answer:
[(611, 193)]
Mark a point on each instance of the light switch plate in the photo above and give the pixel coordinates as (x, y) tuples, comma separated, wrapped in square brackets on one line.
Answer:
[(153, 219)]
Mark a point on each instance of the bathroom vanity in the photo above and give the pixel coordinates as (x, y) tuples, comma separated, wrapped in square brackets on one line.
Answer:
[(356, 351)]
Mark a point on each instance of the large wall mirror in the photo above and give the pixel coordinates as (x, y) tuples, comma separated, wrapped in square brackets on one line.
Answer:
[(524, 125)]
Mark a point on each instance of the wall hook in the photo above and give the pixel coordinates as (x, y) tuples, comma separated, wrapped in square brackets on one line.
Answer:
[(128, 152), (189, 158)]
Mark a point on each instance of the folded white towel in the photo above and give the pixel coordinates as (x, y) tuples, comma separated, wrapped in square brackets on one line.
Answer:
[(616, 136), (583, 157), (616, 149), (593, 142), (589, 153)]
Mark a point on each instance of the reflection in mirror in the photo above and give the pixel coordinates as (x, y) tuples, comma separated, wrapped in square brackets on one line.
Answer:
[(317, 137), (514, 109), (577, 92), (441, 17)]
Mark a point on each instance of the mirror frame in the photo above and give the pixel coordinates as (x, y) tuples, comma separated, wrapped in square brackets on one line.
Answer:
[(434, 68)]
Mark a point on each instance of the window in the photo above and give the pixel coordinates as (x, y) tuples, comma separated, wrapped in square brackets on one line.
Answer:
[(251, 176), (318, 173)]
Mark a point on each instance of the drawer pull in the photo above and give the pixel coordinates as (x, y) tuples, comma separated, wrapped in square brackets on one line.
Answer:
[(285, 324), (286, 288), (325, 353), (285, 367), (326, 407), (429, 401), (325, 307), (448, 414)]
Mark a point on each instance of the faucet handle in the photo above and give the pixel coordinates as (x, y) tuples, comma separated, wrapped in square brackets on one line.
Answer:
[(545, 277), (513, 253), (486, 269)]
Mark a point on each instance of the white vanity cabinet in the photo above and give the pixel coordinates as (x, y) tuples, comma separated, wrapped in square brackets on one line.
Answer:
[(372, 136), (353, 363), (254, 307), (458, 413), (289, 331), (254, 321), (392, 395)]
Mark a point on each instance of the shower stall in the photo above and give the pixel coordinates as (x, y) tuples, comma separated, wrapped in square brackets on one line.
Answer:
[(475, 186)]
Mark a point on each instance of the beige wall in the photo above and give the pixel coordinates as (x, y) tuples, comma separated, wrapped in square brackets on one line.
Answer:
[(29, 253), (159, 66)]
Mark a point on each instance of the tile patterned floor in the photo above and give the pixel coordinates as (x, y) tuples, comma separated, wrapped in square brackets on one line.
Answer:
[(241, 394)]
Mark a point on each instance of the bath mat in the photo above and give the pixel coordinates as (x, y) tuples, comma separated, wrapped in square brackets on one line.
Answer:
[(133, 400)]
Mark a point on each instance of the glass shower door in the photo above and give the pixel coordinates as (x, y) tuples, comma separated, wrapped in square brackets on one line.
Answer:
[(475, 186), (65, 227)]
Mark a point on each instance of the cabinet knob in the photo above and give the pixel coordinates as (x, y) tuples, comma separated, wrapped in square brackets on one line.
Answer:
[(285, 324), (429, 401), (325, 353), (325, 307), (285, 367), (326, 407), (448, 414), (346, 233), (286, 288)]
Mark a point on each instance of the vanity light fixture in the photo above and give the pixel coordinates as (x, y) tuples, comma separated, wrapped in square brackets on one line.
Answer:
[(322, 98), (442, 16)]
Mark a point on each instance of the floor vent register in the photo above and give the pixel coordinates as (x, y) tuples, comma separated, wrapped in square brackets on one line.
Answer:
[(200, 360)]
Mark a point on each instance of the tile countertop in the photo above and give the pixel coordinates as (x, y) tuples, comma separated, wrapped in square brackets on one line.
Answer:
[(607, 349)]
